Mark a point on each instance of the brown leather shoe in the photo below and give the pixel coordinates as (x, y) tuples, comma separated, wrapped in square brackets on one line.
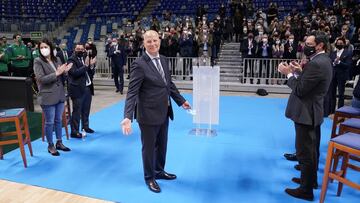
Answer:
[(298, 181), (165, 176), (153, 186), (299, 193)]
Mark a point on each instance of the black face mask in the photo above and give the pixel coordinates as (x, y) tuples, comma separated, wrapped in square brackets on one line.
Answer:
[(308, 51), (79, 54), (339, 46)]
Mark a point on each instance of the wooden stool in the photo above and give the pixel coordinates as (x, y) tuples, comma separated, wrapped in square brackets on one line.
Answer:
[(21, 128), (341, 114), (65, 120), (348, 144)]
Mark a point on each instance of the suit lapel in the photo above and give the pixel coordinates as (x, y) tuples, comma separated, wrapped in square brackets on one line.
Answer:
[(165, 69), (151, 64)]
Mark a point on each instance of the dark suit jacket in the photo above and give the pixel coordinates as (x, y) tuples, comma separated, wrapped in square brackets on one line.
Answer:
[(118, 59), (305, 104), (244, 48), (60, 54), (260, 50), (342, 70), (148, 94), (76, 77), (290, 54)]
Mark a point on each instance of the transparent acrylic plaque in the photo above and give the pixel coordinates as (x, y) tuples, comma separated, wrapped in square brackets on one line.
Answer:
[(206, 91)]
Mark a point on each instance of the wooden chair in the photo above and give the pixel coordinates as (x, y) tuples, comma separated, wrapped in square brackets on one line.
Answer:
[(18, 116), (348, 144), (350, 125), (341, 114), (65, 120)]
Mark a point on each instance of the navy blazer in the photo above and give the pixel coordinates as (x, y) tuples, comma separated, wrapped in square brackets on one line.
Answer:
[(60, 54), (148, 97), (76, 77), (118, 59), (342, 70), (305, 104)]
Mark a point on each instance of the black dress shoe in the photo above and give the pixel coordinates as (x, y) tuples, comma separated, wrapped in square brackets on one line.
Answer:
[(76, 135), (89, 130), (165, 176), (297, 167), (153, 186), (299, 193), (117, 90), (60, 146), (52, 150), (290, 157), (121, 92), (298, 181)]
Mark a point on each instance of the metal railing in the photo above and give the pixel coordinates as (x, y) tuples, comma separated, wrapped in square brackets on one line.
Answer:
[(263, 71), (252, 70), (179, 67)]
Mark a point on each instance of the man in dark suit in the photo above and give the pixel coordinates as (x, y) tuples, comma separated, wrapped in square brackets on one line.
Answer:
[(117, 53), (150, 89), (305, 108), (80, 86), (62, 53), (248, 50), (290, 48), (342, 61)]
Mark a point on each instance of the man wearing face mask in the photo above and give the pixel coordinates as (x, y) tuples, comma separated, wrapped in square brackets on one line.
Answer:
[(341, 60), (248, 49), (62, 53), (117, 54), (264, 51), (20, 57), (305, 108), (79, 83), (290, 48)]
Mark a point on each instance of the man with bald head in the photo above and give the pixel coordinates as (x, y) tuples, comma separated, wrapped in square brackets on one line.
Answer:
[(309, 85), (148, 101)]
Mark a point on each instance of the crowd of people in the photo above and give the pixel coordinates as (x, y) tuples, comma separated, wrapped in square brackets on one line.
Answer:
[(54, 70)]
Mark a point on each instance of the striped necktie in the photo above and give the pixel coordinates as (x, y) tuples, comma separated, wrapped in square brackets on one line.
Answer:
[(159, 68)]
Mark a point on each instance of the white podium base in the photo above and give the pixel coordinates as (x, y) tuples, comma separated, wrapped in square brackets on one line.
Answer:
[(201, 132)]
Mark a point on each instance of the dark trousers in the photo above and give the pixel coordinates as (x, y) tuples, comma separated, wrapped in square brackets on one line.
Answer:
[(307, 144), (81, 110), (85, 108), (154, 144), (337, 85), (118, 72)]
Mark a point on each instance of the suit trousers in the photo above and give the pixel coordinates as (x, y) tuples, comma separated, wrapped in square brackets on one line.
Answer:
[(118, 73), (154, 145), (306, 142), (85, 108), (81, 110), (337, 85)]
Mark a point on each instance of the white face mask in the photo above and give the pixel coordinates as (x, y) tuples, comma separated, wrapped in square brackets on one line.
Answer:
[(114, 43), (291, 40), (45, 52), (265, 40)]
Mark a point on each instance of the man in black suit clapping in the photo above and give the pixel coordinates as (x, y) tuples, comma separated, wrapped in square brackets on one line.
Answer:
[(305, 108)]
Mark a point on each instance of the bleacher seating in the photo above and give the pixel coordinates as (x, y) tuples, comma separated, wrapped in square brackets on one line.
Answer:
[(39, 15), (126, 9), (189, 7)]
